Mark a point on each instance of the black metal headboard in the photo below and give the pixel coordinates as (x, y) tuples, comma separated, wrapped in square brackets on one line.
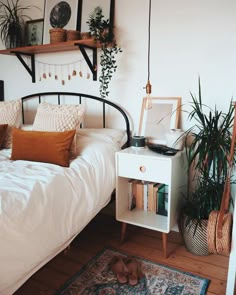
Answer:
[(81, 96)]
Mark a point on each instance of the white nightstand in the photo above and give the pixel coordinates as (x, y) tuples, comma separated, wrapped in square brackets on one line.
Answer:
[(146, 165)]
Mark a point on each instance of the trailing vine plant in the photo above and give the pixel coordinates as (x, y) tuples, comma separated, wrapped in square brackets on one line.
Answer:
[(101, 30)]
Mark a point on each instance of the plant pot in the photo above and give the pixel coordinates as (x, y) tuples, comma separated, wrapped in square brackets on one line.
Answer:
[(72, 35), (196, 242), (14, 36), (57, 35), (85, 35)]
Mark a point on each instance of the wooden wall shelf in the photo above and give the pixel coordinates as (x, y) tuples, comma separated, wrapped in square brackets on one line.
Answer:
[(56, 47)]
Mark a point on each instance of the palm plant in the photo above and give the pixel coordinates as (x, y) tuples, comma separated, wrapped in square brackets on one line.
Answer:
[(12, 17), (207, 159)]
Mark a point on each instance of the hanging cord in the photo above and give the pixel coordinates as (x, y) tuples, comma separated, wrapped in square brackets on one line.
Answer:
[(149, 33), (149, 86)]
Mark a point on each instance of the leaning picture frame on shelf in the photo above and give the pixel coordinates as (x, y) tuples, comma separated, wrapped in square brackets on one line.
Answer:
[(157, 121), (86, 7), (60, 14), (34, 32)]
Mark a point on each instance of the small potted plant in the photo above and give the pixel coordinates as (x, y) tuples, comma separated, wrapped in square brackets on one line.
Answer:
[(101, 30), (12, 20), (207, 146), (59, 18)]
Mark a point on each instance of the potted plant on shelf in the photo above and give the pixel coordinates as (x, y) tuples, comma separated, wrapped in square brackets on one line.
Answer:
[(207, 146), (101, 30), (12, 20)]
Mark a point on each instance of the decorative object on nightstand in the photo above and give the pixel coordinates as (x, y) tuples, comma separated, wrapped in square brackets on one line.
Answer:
[(175, 139), (156, 123), (146, 166), (138, 141)]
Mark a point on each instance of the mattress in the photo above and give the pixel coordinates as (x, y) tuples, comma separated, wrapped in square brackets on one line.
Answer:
[(43, 206)]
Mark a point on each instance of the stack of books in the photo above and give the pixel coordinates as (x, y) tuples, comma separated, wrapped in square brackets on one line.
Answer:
[(148, 196)]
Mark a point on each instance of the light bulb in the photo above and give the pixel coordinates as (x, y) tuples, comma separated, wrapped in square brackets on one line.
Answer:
[(148, 98)]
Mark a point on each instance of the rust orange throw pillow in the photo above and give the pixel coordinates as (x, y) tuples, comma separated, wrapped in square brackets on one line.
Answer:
[(41, 146), (3, 130)]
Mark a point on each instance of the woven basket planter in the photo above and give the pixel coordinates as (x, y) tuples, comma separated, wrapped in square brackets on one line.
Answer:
[(72, 35), (195, 243), (57, 35)]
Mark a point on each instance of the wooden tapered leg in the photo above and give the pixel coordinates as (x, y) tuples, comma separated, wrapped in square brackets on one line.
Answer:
[(164, 244), (123, 231)]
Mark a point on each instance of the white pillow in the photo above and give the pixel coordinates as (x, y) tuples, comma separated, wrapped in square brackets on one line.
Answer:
[(10, 113), (52, 117), (112, 135)]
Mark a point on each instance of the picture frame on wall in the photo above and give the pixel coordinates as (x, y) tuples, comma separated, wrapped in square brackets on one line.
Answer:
[(60, 14), (157, 121), (34, 32), (86, 7)]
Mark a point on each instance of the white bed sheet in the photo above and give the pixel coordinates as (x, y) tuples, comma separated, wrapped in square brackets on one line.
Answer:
[(44, 206)]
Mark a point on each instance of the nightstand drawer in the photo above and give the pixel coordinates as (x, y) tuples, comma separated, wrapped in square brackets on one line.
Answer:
[(144, 168)]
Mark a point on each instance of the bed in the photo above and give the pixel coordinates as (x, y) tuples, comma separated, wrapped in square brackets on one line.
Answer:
[(44, 206)]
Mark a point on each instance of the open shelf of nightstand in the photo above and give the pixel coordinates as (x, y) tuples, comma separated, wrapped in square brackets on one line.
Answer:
[(148, 166)]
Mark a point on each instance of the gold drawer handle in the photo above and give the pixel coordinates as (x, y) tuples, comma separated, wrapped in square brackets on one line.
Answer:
[(142, 169)]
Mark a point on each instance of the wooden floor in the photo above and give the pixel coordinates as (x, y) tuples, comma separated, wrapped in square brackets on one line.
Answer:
[(104, 231)]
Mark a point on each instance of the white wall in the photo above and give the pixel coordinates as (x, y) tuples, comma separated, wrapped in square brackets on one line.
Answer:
[(188, 38)]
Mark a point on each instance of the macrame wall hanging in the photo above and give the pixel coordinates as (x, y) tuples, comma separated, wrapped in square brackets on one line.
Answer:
[(61, 72)]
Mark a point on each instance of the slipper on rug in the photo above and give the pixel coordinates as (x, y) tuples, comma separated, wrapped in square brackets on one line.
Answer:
[(119, 268), (134, 268)]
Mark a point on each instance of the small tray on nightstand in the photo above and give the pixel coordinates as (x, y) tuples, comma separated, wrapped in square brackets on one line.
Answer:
[(162, 149)]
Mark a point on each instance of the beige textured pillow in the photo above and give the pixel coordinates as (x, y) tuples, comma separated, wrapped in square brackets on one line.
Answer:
[(10, 113), (58, 118), (51, 117)]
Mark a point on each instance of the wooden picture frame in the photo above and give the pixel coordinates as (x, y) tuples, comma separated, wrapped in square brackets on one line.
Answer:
[(156, 122), (34, 32), (86, 7), (60, 14)]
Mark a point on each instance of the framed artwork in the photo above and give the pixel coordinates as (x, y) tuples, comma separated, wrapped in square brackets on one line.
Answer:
[(60, 14), (34, 32), (156, 122), (86, 7)]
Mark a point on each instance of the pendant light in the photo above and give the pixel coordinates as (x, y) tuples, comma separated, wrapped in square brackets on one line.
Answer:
[(148, 99)]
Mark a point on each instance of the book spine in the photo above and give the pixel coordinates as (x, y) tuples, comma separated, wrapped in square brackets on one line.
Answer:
[(155, 197), (139, 195), (161, 196), (145, 196), (150, 196), (130, 194)]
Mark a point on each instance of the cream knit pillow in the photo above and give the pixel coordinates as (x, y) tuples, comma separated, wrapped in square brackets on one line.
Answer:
[(52, 117), (10, 113)]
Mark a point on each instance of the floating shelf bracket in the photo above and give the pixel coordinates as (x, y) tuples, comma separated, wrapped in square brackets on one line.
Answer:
[(31, 70), (92, 65)]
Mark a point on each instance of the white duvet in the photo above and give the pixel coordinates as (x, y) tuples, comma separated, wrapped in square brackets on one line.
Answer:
[(44, 206)]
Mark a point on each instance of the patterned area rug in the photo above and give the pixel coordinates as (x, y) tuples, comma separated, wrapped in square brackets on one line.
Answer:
[(96, 278)]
